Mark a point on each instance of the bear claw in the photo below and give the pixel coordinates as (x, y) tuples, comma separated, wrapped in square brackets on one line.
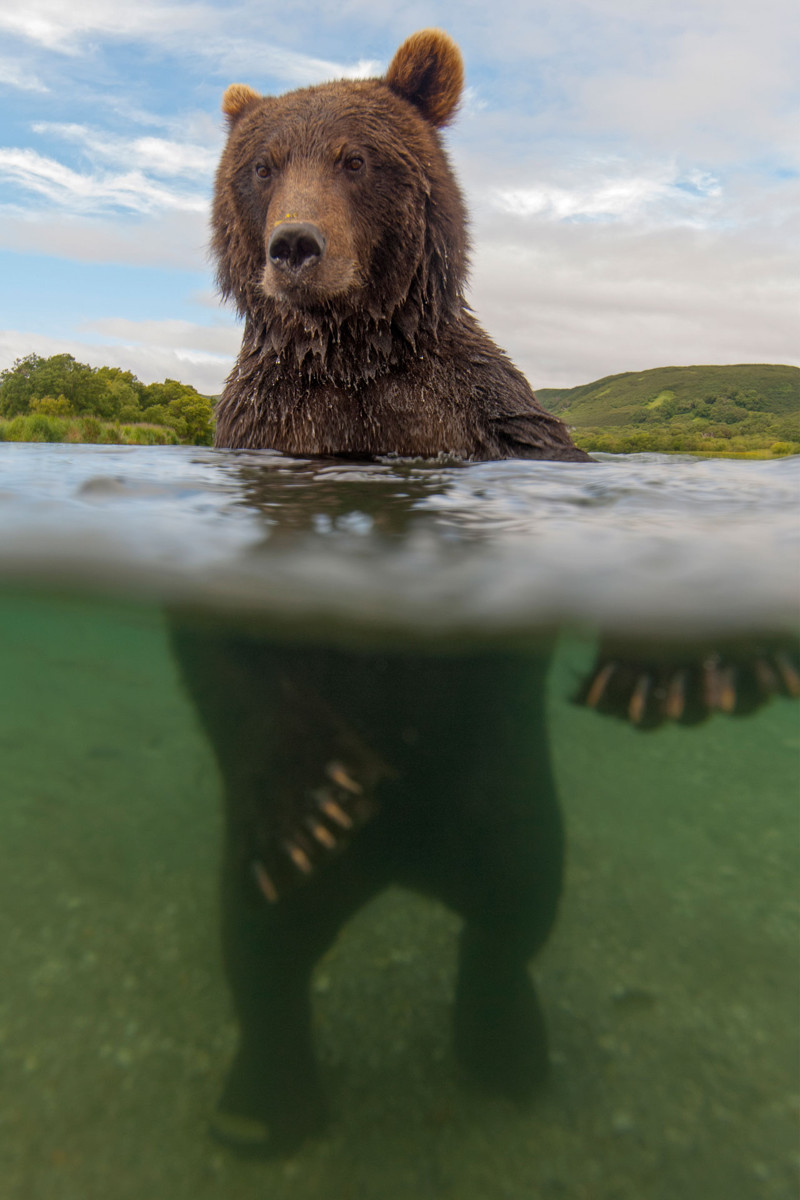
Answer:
[(264, 882)]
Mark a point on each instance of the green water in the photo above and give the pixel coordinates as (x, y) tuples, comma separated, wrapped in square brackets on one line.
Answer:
[(670, 983)]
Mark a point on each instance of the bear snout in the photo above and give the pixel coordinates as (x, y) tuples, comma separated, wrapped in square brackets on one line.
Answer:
[(296, 246)]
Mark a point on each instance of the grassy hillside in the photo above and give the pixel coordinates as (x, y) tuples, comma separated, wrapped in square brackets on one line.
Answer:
[(749, 408)]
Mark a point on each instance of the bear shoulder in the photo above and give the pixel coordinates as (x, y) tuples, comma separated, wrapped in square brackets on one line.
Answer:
[(511, 421)]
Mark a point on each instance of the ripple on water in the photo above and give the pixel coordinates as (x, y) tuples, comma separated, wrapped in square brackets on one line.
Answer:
[(652, 543)]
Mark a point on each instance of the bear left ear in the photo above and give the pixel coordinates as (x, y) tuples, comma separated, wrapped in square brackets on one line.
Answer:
[(237, 98), (428, 70)]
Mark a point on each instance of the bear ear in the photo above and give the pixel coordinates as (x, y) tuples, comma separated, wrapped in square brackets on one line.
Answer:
[(428, 70), (237, 98)]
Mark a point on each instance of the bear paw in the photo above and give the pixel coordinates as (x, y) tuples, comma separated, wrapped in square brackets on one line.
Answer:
[(257, 1120)]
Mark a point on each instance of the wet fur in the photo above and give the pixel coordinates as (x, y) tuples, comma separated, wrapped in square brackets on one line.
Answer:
[(378, 353)]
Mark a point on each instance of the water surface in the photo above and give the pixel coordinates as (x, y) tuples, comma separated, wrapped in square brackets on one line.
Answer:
[(670, 983), (652, 542)]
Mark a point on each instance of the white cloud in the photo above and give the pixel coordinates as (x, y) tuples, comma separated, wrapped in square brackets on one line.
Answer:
[(259, 57), (15, 74), (167, 238), (574, 302), (718, 84), (206, 298), (585, 265), (151, 362), (92, 192), (66, 27), (661, 196), (189, 29), (154, 155), (214, 342)]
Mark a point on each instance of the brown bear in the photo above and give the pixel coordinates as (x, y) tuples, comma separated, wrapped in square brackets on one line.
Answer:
[(340, 232)]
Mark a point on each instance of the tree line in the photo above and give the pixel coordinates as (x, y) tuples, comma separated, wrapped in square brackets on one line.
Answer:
[(58, 399), (732, 422), (58, 394), (733, 412)]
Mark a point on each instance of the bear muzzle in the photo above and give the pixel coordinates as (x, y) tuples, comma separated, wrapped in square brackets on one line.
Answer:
[(295, 248)]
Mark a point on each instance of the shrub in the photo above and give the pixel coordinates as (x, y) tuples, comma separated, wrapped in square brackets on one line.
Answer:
[(91, 429), (12, 431), (35, 428), (149, 435), (52, 406), (40, 428)]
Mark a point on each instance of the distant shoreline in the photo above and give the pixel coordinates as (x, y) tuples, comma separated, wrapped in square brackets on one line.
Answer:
[(749, 410)]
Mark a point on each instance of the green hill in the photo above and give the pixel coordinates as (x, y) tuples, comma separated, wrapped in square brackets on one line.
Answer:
[(751, 408)]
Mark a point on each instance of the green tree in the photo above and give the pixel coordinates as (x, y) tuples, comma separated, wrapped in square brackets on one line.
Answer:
[(16, 386), (52, 406), (61, 387), (33, 377), (192, 418), (155, 414), (185, 410), (120, 397), (163, 393)]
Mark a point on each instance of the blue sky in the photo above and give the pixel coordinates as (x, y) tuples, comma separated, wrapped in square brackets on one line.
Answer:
[(632, 171)]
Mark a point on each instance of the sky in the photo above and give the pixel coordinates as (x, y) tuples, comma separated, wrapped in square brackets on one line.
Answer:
[(632, 171)]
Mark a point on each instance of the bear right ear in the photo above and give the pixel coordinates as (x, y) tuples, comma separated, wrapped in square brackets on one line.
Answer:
[(237, 98), (428, 71)]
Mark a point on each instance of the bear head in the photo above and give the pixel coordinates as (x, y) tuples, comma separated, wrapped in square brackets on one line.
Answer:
[(336, 203)]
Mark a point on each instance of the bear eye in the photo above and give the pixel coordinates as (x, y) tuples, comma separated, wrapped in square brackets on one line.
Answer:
[(263, 171), (353, 163)]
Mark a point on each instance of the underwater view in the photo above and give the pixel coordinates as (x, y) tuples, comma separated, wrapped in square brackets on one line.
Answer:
[(487, 765)]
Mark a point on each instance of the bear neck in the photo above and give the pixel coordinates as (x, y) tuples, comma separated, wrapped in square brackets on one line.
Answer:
[(346, 343)]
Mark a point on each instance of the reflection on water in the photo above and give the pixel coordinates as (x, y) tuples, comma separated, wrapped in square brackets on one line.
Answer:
[(669, 983)]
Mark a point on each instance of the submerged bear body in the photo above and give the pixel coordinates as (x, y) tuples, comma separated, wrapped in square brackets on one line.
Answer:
[(347, 771), (340, 232)]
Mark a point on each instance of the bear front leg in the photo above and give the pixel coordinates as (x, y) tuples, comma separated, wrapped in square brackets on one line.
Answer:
[(650, 683)]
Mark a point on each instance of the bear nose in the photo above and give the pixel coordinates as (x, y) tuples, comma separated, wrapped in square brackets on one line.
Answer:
[(296, 244)]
